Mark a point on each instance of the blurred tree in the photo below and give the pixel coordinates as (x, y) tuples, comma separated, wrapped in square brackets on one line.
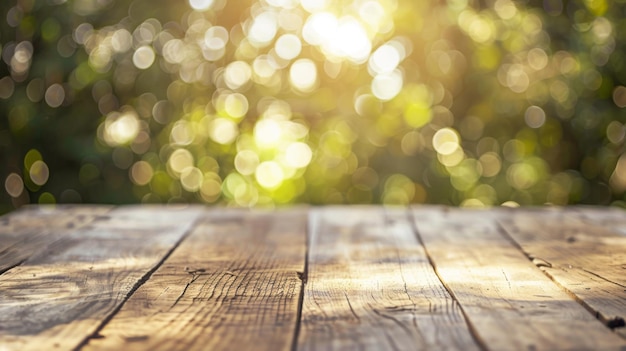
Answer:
[(270, 102)]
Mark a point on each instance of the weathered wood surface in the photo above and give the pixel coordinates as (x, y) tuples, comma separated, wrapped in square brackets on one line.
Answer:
[(510, 304), (587, 259), (233, 284), (371, 278), (609, 217), (61, 295), (25, 233), (613, 219), (370, 287)]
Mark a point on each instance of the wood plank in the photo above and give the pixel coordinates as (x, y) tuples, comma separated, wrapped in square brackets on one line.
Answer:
[(56, 299), (510, 304), (233, 284), (370, 287), (613, 218), (26, 232), (585, 258)]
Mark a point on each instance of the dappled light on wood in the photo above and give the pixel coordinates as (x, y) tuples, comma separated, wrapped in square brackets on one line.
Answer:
[(164, 277), (272, 102)]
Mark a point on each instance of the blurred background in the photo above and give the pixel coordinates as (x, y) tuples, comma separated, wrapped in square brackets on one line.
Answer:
[(275, 102)]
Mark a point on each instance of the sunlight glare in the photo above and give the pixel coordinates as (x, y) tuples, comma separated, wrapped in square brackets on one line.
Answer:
[(446, 141), (144, 57), (314, 5), (269, 175), (182, 133), (350, 41), (246, 162), (236, 105), (200, 5), (267, 133), (286, 4), (215, 41), (141, 173), (263, 29), (298, 155), (216, 38), (535, 117), (223, 131), (387, 85), (320, 28), (237, 74), (303, 75), (120, 128), (121, 41), (14, 185), (385, 59), (372, 12), (55, 95), (288, 46), (39, 172), (263, 66), (180, 160), (191, 179)]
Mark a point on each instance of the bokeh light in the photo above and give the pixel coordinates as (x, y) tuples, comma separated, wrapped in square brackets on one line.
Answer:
[(274, 102)]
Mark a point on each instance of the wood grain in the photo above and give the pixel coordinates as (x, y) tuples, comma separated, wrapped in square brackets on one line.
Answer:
[(610, 217), (427, 278), (26, 232), (510, 304), (585, 258), (60, 296), (370, 287), (233, 284)]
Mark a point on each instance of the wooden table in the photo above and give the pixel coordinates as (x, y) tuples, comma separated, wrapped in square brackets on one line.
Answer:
[(344, 278)]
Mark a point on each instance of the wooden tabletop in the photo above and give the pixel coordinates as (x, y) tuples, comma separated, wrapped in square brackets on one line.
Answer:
[(328, 278)]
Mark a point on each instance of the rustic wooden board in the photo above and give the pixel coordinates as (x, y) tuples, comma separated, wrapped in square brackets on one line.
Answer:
[(370, 287), (610, 217), (60, 296), (28, 231), (587, 259), (233, 284), (509, 303)]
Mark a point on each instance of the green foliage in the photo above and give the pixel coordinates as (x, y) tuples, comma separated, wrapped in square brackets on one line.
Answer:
[(271, 102)]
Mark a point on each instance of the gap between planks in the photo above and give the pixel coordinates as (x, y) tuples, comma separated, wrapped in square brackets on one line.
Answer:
[(138, 284), (63, 293), (500, 290), (371, 287), (472, 328), (581, 251), (298, 338), (233, 283)]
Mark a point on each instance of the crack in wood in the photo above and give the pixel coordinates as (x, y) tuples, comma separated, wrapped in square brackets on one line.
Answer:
[(455, 302), (395, 320), (303, 282), (350, 306), (613, 322), (193, 279), (603, 278), (97, 332), (507, 279), (19, 263), (260, 292)]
